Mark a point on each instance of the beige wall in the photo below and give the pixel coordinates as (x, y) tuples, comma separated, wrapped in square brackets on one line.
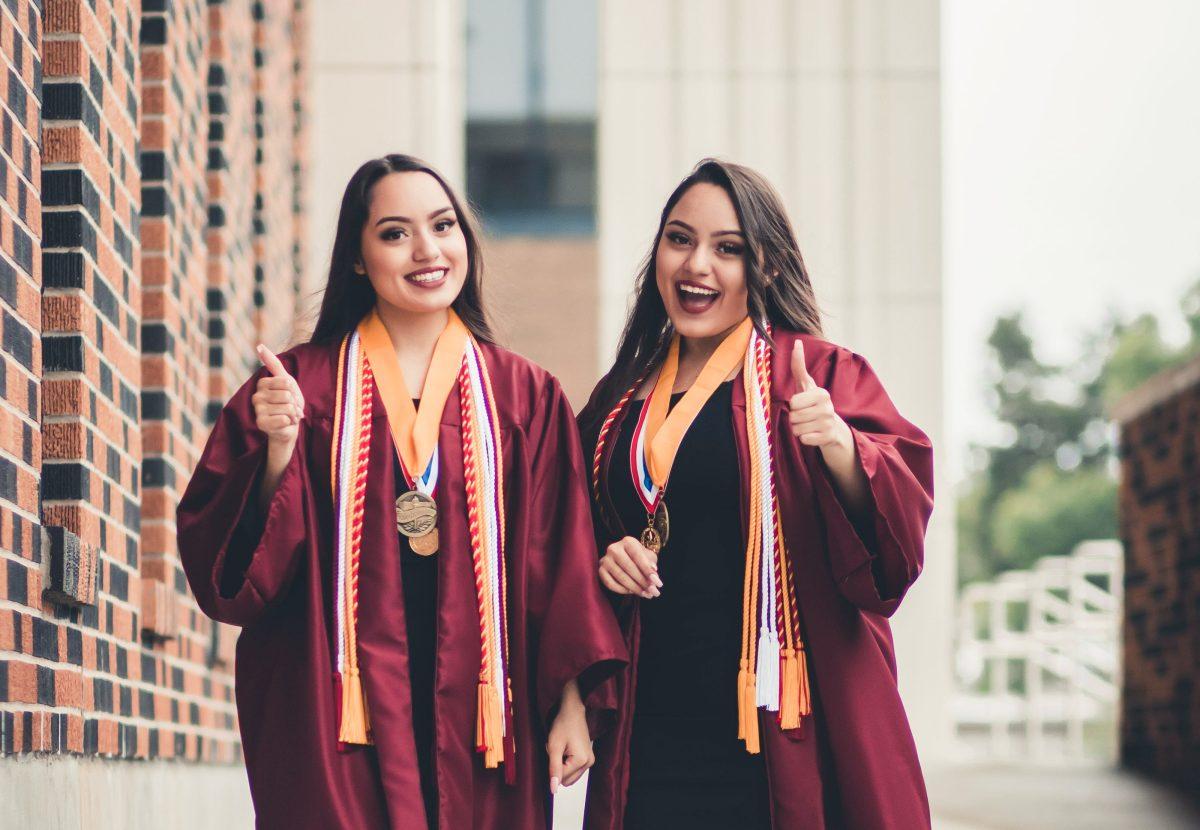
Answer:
[(377, 88)]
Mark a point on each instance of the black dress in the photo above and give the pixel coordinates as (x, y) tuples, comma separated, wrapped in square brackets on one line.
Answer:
[(687, 766), (419, 581)]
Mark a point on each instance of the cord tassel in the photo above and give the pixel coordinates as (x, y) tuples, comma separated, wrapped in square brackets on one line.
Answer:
[(355, 722), (768, 671)]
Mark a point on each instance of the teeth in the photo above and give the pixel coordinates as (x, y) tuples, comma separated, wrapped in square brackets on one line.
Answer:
[(698, 291), (429, 276)]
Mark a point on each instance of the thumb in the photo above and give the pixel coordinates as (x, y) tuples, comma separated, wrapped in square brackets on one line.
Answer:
[(273, 364), (800, 374)]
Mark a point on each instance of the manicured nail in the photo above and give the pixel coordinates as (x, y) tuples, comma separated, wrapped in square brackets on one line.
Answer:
[(657, 580), (553, 785)]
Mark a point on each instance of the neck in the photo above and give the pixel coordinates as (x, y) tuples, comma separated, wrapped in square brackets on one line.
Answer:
[(414, 336), (700, 349), (694, 353)]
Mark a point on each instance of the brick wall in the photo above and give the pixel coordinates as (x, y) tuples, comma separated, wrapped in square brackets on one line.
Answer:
[(151, 203), (562, 274), (1160, 529)]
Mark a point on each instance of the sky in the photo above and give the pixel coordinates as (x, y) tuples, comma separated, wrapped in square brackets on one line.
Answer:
[(1071, 136)]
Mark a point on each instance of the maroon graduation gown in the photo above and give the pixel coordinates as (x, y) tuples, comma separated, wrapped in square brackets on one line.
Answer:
[(853, 764), (280, 592)]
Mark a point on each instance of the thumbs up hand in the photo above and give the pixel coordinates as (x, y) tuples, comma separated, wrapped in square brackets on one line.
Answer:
[(812, 417), (278, 402)]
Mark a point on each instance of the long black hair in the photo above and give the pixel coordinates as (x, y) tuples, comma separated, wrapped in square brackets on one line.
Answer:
[(349, 296), (777, 285)]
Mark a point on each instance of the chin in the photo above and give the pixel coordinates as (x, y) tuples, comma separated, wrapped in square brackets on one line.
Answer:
[(700, 327)]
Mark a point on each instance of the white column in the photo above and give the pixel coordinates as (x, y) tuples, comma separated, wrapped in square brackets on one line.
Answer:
[(838, 103), (387, 77)]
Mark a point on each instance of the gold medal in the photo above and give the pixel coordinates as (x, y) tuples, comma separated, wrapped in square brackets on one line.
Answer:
[(658, 527), (661, 523), (426, 545), (416, 514), (651, 541)]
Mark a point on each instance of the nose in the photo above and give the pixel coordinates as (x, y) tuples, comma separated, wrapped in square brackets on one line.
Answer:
[(698, 262), (425, 247)]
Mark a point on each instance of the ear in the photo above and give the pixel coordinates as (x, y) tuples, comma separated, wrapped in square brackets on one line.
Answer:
[(359, 268)]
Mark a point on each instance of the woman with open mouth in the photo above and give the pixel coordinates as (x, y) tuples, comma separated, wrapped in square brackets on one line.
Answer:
[(396, 515), (764, 508)]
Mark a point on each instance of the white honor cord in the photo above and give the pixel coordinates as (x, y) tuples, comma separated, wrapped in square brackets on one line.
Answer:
[(767, 668), (483, 415), (349, 396)]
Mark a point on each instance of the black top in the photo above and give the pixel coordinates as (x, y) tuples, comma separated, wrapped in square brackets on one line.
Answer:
[(687, 765), (419, 582)]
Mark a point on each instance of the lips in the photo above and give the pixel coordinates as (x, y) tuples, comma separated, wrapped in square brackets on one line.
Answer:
[(427, 277), (695, 298)]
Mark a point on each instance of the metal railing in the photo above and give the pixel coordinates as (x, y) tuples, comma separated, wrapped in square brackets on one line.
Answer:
[(1038, 660)]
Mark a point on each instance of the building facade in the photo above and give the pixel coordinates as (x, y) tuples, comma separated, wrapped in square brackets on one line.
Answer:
[(1160, 529), (154, 159)]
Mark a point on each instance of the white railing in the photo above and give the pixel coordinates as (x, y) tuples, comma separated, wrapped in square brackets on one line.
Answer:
[(1038, 660)]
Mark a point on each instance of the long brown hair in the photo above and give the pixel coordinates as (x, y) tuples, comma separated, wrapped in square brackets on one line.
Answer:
[(777, 285), (349, 296)]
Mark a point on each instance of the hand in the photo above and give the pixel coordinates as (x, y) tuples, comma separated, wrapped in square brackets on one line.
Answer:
[(629, 567), (812, 417), (569, 744), (278, 402)]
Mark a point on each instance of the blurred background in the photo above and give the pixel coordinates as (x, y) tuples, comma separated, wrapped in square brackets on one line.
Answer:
[(999, 206)]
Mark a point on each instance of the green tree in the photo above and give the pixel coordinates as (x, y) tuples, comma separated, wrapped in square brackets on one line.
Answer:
[(1049, 485)]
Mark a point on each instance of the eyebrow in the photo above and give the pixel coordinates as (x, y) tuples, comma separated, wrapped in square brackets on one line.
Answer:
[(433, 215), (690, 229)]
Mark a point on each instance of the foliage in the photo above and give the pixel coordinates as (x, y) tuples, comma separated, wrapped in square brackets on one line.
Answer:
[(1048, 484)]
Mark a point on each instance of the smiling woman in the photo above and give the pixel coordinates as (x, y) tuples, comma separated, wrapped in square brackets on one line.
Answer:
[(410, 525), (764, 506)]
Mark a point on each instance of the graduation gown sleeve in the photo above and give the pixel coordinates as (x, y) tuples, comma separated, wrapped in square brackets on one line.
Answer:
[(238, 559), (578, 632), (874, 562)]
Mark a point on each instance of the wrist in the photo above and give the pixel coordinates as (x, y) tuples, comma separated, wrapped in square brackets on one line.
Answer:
[(842, 448)]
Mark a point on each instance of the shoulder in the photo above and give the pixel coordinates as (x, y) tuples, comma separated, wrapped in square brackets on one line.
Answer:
[(827, 362), (524, 390)]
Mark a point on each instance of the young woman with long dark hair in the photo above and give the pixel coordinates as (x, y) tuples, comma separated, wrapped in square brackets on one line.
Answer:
[(761, 507), (396, 514)]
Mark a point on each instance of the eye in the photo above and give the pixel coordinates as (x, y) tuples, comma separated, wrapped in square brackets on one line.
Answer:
[(392, 234), (443, 225), (677, 238), (731, 248)]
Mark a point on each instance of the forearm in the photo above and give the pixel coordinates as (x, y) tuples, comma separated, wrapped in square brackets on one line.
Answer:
[(278, 456), (854, 491)]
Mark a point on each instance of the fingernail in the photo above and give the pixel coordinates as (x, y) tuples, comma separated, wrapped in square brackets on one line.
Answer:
[(657, 581), (553, 786), (657, 592)]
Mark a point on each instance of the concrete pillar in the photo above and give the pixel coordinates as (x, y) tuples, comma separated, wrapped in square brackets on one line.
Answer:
[(387, 77), (838, 104)]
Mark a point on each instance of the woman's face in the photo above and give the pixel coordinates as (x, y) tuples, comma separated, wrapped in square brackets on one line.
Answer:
[(412, 246), (699, 265)]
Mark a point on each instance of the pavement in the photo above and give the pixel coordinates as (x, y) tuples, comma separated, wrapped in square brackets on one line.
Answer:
[(996, 797)]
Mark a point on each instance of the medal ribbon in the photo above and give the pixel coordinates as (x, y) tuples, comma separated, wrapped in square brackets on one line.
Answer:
[(415, 429), (659, 434)]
